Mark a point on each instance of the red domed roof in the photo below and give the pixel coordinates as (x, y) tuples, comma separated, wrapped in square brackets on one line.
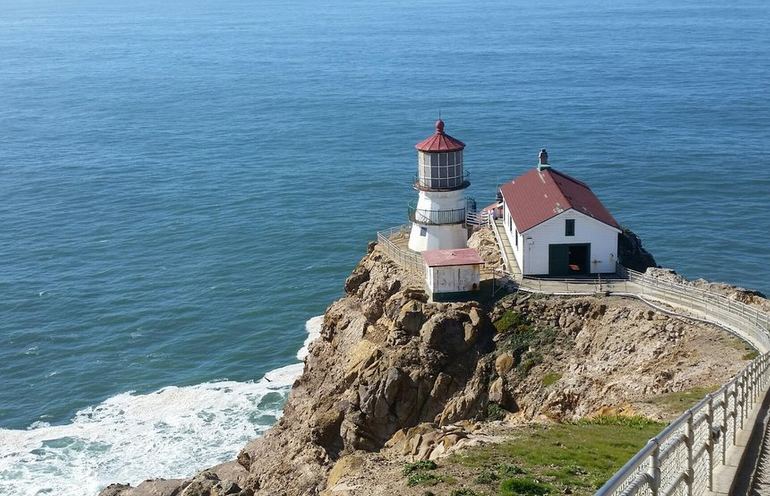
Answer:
[(440, 142)]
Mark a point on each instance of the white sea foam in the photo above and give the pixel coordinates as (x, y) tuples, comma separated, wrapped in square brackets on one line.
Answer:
[(129, 437), (313, 328)]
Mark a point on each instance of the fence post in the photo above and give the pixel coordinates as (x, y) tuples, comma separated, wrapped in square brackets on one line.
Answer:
[(725, 401), (743, 397), (689, 443), (656, 469), (710, 442)]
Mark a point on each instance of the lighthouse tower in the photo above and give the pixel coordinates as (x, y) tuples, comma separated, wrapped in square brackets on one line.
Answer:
[(438, 216)]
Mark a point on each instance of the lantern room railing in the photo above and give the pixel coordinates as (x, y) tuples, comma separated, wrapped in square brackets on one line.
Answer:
[(442, 183), (435, 217)]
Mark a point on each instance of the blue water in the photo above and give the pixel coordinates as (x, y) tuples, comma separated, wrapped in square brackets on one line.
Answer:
[(184, 184)]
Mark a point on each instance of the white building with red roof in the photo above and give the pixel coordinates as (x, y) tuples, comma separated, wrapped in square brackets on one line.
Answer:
[(556, 225), (438, 216), (452, 274)]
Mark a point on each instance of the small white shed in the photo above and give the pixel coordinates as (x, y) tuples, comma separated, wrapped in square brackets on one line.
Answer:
[(453, 274)]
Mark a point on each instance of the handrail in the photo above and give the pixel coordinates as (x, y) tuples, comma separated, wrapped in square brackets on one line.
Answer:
[(436, 217), (500, 244), (683, 457), (409, 260)]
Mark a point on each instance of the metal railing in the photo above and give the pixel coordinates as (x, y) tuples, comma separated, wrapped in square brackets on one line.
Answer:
[(436, 217), (477, 218), (409, 260), (500, 243), (577, 285), (746, 321), (683, 458), (442, 183)]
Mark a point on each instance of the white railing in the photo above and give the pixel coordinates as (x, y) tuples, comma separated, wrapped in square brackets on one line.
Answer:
[(683, 458), (500, 244), (577, 286), (479, 219), (409, 260), (746, 321)]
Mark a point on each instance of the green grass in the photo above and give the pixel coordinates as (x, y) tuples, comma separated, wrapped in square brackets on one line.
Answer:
[(423, 479), (578, 457), (740, 345), (423, 473), (523, 485), (510, 320), (464, 492), (677, 402), (495, 412), (750, 355), (551, 378), (422, 465)]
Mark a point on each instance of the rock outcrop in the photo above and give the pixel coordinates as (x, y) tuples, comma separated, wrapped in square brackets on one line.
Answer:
[(393, 371), (632, 254)]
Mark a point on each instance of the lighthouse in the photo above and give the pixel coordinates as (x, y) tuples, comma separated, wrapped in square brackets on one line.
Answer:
[(438, 216)]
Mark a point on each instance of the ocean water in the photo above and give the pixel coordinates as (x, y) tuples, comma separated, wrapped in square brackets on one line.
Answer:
[(184, 185)]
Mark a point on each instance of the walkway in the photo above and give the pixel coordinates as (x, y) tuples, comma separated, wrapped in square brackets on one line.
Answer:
[(700, 452), (506, 250)]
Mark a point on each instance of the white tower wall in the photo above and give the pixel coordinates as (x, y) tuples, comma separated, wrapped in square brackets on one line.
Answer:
[(438, 206)]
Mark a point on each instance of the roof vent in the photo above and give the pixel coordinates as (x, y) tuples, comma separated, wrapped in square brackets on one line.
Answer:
[(542, 160)]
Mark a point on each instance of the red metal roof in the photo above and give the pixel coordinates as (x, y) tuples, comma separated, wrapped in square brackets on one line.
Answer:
[(538, 195), (447, 258), (440, 141)]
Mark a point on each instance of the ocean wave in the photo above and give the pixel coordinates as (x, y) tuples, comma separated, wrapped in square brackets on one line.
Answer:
[(169, 433)]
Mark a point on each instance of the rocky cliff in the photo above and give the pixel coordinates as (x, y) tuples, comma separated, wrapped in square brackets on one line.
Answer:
[(393, 372)]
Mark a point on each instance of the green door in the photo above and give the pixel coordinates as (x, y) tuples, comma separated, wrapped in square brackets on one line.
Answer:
[(569, 260), (558, 260)]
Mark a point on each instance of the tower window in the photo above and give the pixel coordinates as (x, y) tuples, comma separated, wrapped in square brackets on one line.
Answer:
[(569, 227), (423, 231)]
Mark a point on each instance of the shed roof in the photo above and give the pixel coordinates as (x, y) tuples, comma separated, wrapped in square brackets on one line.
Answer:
[(440, 141), (448, 258), (538, 195)]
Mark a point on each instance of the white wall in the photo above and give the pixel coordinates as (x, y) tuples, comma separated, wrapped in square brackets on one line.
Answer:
[(440, 237), (603, 240), (454, 279), (441, 200)]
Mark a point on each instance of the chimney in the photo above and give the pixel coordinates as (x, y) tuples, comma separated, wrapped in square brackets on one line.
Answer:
[(542, 160)]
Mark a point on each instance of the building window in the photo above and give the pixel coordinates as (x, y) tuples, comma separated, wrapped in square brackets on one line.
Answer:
[(517, 238), (423, 231), (569, 227)]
